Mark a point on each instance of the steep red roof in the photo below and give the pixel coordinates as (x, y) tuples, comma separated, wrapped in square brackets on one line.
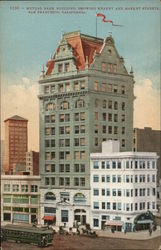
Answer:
[(83, 46)]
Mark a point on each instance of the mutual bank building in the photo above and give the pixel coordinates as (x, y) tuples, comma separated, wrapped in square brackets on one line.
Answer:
[(85, 97)]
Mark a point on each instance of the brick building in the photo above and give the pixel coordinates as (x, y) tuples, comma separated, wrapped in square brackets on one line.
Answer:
[(16, 142)]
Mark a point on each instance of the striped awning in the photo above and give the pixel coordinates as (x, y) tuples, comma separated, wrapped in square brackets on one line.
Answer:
[(113, 223), (49, 217)]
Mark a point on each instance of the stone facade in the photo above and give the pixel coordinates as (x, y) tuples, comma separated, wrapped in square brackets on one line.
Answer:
[(86, 97), (123, 185)]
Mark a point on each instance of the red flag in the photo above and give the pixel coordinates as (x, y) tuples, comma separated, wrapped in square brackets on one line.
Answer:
[(106, 21)]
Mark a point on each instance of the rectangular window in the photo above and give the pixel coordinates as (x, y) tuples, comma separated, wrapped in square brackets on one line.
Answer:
[(96, 205), (76, 86), (95, 192), (46, 89), (115, 68), (109, 67), (108, 205), (76, 155), (82, 85), (60, 68), (15, 188), (61, 87), (103, 66), (76, 167), (82, 116), (82, 168), (95, 178), (6, 187), (95, 165), (64, 215), (109, 87), (115, 130), (110, 129), (115, 117), (46, 181), (107, 192), (52, 88), (107, 178), (110, 117), (103, 192), (24, 188), (96, 86), (76, 181), (82, 155), (53, 181), (110, 104), (67, 67), (123, 90), (104, 87), (96, 115), (67, 87), (115, 89)]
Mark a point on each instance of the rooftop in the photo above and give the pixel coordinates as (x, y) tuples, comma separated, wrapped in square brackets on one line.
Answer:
[(16, 118)]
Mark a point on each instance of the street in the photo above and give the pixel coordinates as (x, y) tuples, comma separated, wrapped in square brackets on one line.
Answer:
[(68, 242)]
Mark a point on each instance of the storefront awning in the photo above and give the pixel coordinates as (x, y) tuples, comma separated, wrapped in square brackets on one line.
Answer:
[(48, 217), (113, 223), (144, 221)]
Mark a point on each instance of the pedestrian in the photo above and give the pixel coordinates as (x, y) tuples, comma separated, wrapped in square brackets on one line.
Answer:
[(150, 231), (125, 231)]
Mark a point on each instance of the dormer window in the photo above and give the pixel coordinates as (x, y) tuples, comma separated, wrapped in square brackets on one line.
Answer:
[(109, 67), (115, 68), (60, 68), (66, 67)]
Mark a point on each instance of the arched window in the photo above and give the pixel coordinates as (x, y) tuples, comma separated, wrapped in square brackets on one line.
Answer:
[(79, 198), (64, 105), (50, 196), (80, 103), (50, 106)]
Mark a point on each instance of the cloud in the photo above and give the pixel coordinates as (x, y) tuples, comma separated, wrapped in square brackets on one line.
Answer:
[(26, 80), (146, 105), (22, 100)]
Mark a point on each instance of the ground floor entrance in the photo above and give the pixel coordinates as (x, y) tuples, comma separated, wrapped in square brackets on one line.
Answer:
[(80, 216)]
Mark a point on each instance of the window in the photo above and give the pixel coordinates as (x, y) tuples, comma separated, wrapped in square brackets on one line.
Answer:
[(104, 117), (103, 192), (109, 67), (119, 192), (127, 179), (115, 130), (123, 118), (52, 88), (46, 181), (103, 178), (96, 86), (104, 87), (113, 178), (96, 115), (79, 103), (108, 205), (103, 164), (110, 104), (67, 181), (24, 188), (82, 168), (96, 103), (103, 205), (115, 68), (15, 188), (76, 155), (50, 196), (122, 89), (47, 118), (115, 89), (123, 143), (6, 187), (64, 105), (61, 168), (123, 130), (61, 181), (107, 178), (104, 129), (153, 178), (110, 129), (76, 86), (109, 87), (82, 155), (82, 116), (76, 181), (104, 104), (46, 89), (115, 105), (103, 66), (64, 215), (76, 142), (119, 178), (110, 117), (115, 117), (123, 106), (95, 192), (96, 205), (95, 165), (60, 68), (96, 129), (95, 178), (96, 142), (82, 85), (119, 165), (67, 67), (107, 192)]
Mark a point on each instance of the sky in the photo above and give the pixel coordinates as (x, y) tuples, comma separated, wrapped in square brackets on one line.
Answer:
[(30, 32)]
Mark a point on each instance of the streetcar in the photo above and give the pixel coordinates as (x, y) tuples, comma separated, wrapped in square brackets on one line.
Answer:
[(27, 234)]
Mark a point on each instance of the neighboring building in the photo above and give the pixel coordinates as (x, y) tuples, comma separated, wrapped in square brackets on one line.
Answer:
[(16, 142), (86, 97), (123, 186), (148, 140), (2, 157), (32, 163), (19, 168), (20, 196)]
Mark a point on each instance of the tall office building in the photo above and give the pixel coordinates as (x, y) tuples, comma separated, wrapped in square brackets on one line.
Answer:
[(16, 142), (148, 140), (86, 97)]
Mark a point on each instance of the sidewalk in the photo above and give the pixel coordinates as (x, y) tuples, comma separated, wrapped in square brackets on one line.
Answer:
[(140, 235)]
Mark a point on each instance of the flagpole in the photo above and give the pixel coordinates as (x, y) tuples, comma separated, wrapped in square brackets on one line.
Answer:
[(96, 24)]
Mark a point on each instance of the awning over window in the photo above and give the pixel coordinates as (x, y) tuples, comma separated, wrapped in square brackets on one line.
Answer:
[(49, 217), (144, 221), (113, 223)]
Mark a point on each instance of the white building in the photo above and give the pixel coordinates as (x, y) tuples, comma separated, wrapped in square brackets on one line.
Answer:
[(123, 185), (20, 199)]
